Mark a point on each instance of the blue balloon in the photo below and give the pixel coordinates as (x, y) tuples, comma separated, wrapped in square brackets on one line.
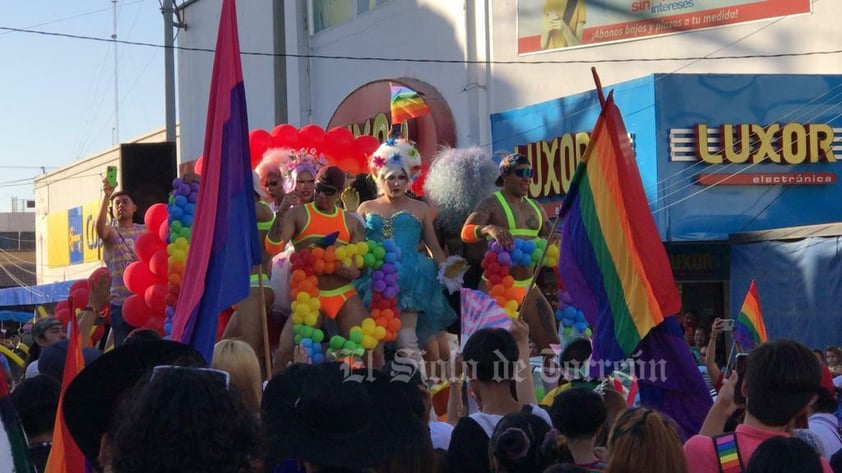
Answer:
[(187, 220), (569, 312), (580, 316), (190, 209), (580, 326), (317, 358), (180, 200), (176, 213), (306, 342), (567, 322)]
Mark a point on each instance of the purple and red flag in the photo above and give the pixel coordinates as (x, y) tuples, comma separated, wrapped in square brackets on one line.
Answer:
[(225, 243), (614, 265)]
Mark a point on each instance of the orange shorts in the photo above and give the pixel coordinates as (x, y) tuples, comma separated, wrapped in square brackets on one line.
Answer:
[(332, 300)]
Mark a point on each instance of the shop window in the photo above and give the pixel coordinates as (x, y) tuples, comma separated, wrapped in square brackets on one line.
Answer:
[(328, 13)]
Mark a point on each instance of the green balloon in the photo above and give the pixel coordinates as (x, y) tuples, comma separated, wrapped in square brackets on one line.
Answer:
[(296, 329), (336, 342), (298, 339), (356, 336), (349, 345), (379, 252), (568, 331), (318, 335), (307, 332), (369, 260)]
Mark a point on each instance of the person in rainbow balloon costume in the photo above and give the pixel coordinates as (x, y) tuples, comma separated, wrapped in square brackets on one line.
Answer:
[(517, 227)]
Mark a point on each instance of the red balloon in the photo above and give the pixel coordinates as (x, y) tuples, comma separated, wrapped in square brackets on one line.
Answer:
[(155, 214), (366, 144), (285, 136), (79, 299), (138, 277), (259, 142), (340, 142), (418, 184), (158, 264), (63, 315), (147, 244), (164, 231), (97, 274), (62, 305), (199, 165), (80, 284), (156, 297), (135, 310), (156, 323), (312, 136)]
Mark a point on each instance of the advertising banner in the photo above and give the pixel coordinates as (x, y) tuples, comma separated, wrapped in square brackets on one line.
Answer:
[(547, 25)]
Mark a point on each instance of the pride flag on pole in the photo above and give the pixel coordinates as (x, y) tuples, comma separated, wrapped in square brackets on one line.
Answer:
[(225, 242), (613, 264), (406, 103), (65, 456), (749, 329)]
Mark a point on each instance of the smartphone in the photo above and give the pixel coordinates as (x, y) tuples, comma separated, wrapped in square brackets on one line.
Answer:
[(728, 325), (740, 366), (111, 176)]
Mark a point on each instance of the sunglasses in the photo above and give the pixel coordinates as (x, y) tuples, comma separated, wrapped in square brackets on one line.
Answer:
[(523, 172), (218, 375), (326, 190), (272, 183)]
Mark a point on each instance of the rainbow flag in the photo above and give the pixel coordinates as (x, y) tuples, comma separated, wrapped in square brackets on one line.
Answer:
[(749, 329), (614, 266), (406, 103), (225, 243), (65, 455)]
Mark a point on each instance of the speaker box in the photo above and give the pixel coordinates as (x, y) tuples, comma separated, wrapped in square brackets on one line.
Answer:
[(147, 171)]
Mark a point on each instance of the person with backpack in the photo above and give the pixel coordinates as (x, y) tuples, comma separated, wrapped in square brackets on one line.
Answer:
[(781, 380)]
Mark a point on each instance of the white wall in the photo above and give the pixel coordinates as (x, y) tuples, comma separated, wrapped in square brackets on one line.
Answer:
[(194, 67)]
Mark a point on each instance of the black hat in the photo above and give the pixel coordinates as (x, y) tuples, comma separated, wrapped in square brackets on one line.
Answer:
[(94, 393), (331, 176), (331, 415), (40, 327), (508, 163)]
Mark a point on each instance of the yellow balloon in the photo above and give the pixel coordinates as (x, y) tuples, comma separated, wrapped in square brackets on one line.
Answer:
[(302, 297), (359, 261), (369, 343), (346, 261), (368, 325), (362, 248), (315, 304), (379, 333), (341, 253), (311, 320), (297, 318)]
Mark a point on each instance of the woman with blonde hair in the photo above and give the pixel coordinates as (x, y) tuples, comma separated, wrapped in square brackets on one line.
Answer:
[(238, 359), (644, 440)]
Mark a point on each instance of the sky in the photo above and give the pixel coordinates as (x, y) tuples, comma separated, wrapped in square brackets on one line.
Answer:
[(57, 93)]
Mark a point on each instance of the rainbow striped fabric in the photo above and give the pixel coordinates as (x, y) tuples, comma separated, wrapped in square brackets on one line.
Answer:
[(65, 455), (406, 104), (611, 250), (749, 330)]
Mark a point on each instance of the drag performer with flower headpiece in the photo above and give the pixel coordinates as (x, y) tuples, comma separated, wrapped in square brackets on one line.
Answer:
[(394, 215)]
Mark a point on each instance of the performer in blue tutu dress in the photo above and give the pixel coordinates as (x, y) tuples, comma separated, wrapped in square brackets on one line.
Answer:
[(424, 311)]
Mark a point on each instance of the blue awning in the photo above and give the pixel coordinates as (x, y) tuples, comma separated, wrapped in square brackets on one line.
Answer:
[(35, 295), (16, 316)]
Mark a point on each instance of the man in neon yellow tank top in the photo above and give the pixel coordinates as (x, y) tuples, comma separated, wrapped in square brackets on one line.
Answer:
[(307, 224), (504, 216)]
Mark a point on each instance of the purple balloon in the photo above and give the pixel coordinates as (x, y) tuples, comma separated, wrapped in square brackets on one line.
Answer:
[(504, 259), (378, 286), (390, 293), (184, 189), (176, 182), (193, 197), (377, 275), (391, 279), (387, 268), (496, 247), (170, 311), (194, 186)]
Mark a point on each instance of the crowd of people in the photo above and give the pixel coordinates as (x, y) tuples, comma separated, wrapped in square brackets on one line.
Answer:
[(143, 403)]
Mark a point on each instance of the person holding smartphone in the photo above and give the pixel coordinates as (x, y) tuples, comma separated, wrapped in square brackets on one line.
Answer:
[(118, 239)]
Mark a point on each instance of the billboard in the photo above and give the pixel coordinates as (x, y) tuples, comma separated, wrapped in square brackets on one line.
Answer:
[(71, 236), (547, 25)]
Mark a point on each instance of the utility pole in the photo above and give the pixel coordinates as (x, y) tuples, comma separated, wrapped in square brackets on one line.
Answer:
[(169, 68), (116, 136)]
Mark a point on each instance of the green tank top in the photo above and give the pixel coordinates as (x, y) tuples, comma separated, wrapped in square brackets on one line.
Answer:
[(510, 218)]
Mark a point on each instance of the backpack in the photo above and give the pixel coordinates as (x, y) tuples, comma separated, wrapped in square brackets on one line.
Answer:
[(728, 453)]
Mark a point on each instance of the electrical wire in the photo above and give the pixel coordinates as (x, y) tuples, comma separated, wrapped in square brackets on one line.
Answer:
[(430, 60)]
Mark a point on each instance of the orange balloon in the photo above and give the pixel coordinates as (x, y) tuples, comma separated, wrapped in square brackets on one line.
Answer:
[(508, 281), (318, 253), (382, 322), (319, 266), (298, 275), (497, 290), (394, 325), (387, 314)]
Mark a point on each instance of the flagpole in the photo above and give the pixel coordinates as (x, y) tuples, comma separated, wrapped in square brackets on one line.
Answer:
[(267, 359), (539, 264), (598, 83)]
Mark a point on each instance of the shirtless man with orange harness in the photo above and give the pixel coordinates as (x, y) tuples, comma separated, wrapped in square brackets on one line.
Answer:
[(308, 224), (504, 216)]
